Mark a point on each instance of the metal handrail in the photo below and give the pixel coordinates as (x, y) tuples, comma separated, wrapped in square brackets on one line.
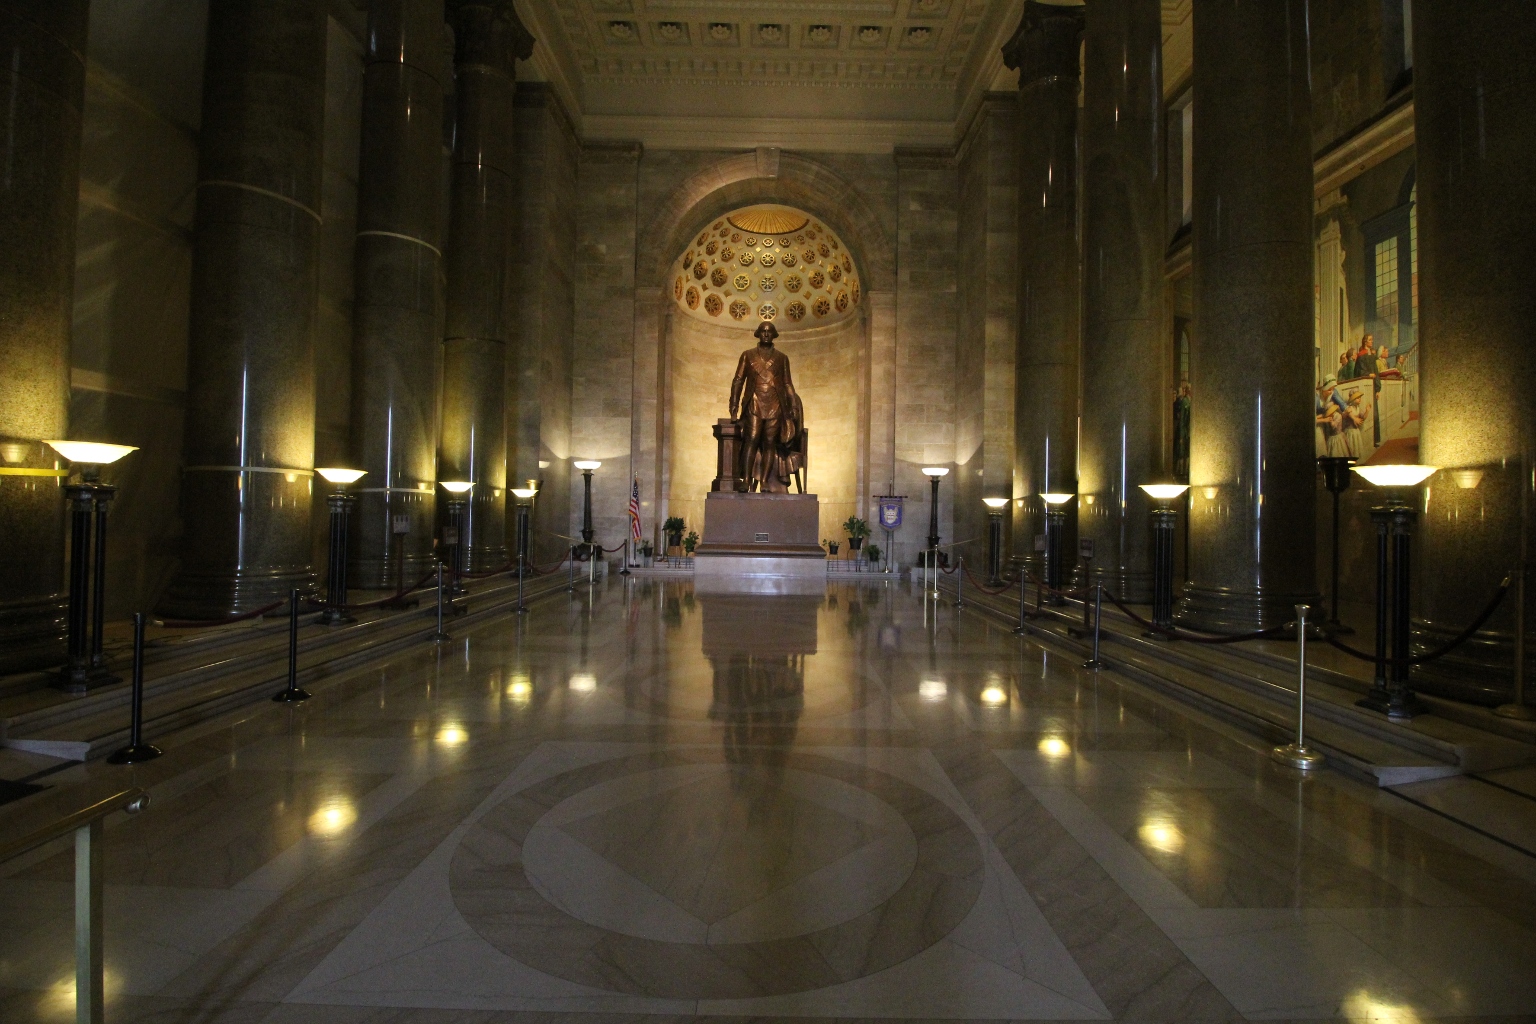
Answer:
[(131, 800), (86, 824)]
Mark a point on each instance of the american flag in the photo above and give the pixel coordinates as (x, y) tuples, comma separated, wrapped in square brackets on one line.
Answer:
[(634, 509)]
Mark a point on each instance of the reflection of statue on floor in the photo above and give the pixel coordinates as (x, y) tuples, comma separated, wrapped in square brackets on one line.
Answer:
[(764, 403), (759, 698)]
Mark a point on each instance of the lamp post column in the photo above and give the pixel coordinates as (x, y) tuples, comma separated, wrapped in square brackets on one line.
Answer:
[(933, 516), (995, 546), (247, 481), (76, 673), (43, 94), (1336, 476), (104, 493), (340, 504)]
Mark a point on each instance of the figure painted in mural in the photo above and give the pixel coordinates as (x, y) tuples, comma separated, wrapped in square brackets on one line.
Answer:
[(764, 402), (1331, 413), (1356, 412), (1181, 403)]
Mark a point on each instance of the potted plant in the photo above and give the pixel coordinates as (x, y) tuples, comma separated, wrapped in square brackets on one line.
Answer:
[(873, 552), (690, 542), (673, 528), (832, 546), (857, 530), (647, 549)]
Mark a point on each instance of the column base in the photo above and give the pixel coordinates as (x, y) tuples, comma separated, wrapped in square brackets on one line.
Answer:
[(33, 633), (1130, 585), (213, 596), (1480, 671), (1229, 610)]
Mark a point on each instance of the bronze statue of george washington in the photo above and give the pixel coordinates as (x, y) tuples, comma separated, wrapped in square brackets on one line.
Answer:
[(771, 418)]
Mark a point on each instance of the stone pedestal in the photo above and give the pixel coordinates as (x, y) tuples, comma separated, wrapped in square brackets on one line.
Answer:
[(760, 543), (728, 443)]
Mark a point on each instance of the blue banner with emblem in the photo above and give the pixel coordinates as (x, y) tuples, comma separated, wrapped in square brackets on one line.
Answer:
[(890, 511)]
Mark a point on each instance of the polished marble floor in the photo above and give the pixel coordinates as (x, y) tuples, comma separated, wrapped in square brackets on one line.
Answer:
[(641, 803)]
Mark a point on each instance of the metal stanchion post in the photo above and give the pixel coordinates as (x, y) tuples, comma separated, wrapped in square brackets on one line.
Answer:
[(521, 610), (1517, 708), (960, 584), (571, 572), (1023, 602), (625, 571), (291, 693), (137, 750), (592, 550), (1095, 662), (441, 635), (1296, 754)]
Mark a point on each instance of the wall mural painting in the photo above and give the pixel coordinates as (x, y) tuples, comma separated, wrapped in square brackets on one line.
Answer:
[(1367, 317)]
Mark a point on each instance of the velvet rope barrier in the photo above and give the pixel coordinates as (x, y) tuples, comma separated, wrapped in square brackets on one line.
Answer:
[(986, 589), (1212, 638), (1440, 652), (210, 623)]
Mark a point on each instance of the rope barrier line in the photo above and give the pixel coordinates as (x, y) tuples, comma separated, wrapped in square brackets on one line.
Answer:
[(393, 597), (210, 623), (986, 589), (609, 551), (1440, 652)]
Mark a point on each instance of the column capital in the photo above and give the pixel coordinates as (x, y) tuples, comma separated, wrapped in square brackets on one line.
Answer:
[(489, 33), (1045, 45)]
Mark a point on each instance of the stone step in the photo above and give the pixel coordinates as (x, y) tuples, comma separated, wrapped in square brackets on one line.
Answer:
[(1260, 698), (220, 674)]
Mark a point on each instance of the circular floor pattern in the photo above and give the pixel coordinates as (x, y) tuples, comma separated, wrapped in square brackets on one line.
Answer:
[(683, 875)]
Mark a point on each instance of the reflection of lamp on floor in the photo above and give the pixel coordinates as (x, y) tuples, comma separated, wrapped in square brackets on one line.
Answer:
[(87, 499), (995, 508), (1055, 525), (1165, 520), (340, 504), (1390, 691), (453, 533), (1336, 478)]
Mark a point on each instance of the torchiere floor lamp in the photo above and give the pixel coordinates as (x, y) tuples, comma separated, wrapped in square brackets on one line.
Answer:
[(1165, 520), (340, 504), (1055, 526), (1391, 693), (88, 501), (453, 533), (995, 508), (934, 475), (587, 466)]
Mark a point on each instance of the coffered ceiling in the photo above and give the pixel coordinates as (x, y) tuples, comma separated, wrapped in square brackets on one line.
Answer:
[(806, 74)]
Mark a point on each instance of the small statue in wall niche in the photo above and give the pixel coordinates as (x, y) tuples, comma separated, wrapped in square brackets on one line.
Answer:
[(771, 418)]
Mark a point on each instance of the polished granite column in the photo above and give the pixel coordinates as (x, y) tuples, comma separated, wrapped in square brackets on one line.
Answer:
[(397, 316), (1045, 50), (482, 216), (1474, 100), (1253, 530), (42, 43), (1123, 241), (250, 425)]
